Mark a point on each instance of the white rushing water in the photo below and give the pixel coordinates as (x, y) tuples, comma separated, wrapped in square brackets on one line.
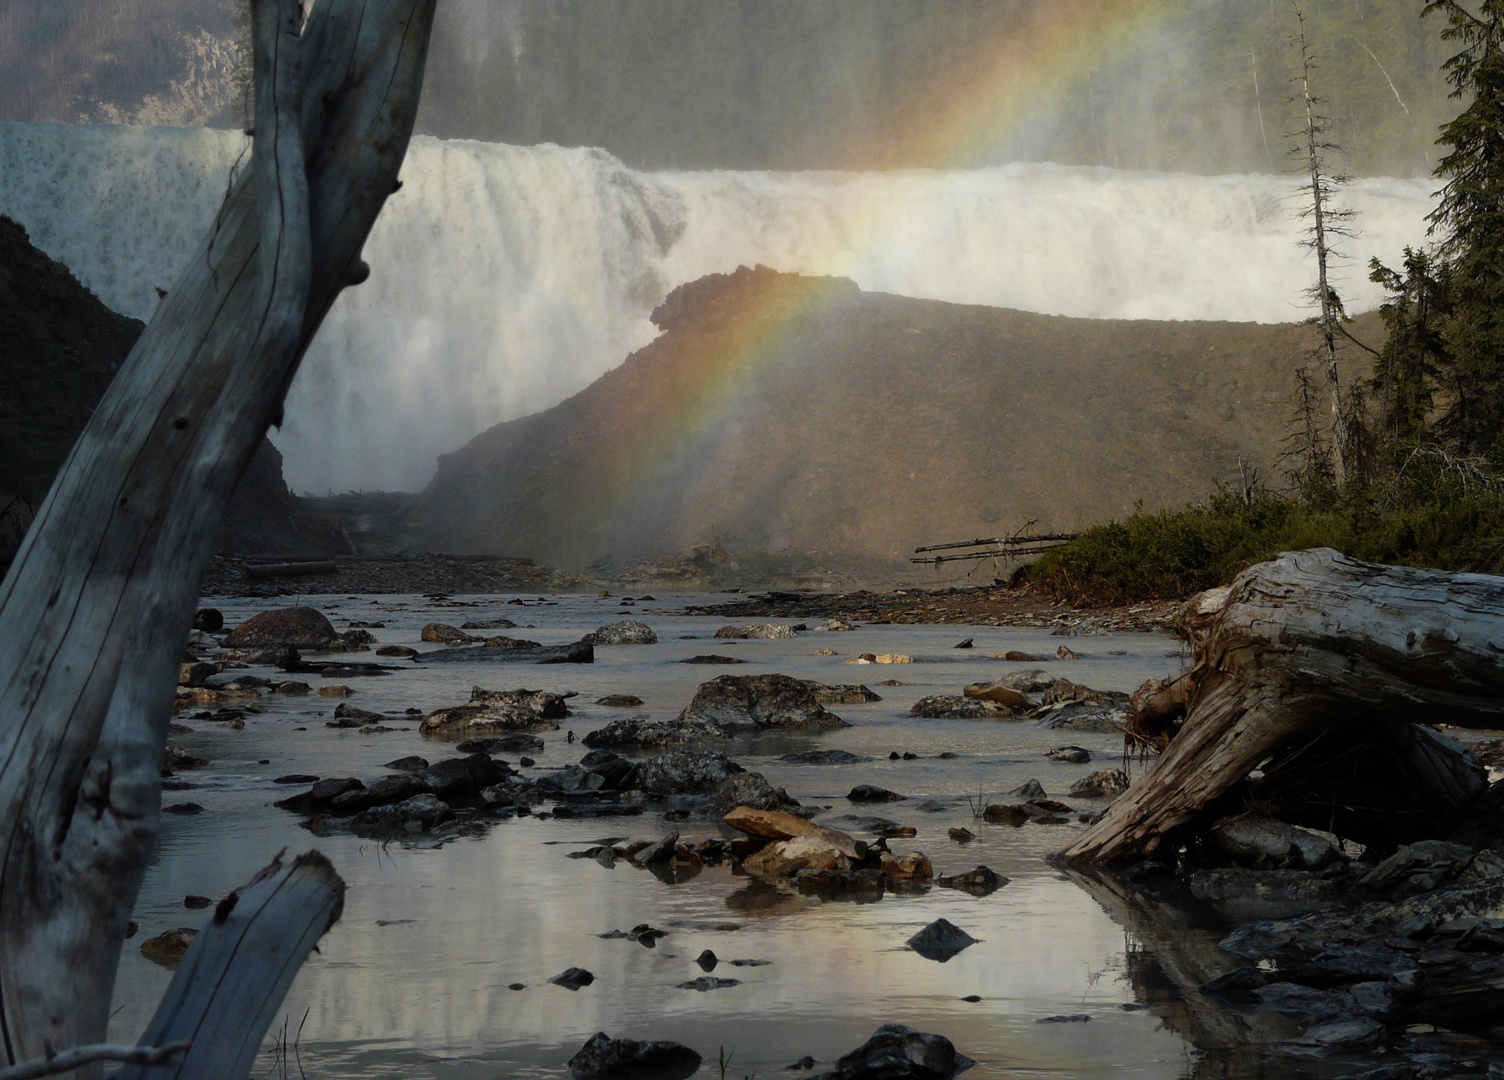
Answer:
[(506, 278)]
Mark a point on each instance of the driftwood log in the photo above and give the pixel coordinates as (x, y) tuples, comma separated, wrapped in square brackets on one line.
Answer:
[(1312, 679), (96, 607)]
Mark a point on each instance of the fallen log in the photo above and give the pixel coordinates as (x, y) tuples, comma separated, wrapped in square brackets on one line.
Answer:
[(1312, 678)]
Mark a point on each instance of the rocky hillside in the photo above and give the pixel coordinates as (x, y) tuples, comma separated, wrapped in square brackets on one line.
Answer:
[(59, 349), (805, 420)]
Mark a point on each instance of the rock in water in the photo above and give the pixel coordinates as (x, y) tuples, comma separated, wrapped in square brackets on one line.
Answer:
[(776, 825), (759, 702), (437, 633), (605, 1058), (620, 701), (941, 940), (168, 947), (708, 982), (871, 793), (1029, 791), (897, 1052), (842, 693), (572, 979), (1104, 784), (626, 632), (298, 627), (983, 881), (765, 632)]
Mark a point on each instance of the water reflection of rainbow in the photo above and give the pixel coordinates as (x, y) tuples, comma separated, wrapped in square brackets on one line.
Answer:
[(957, 121)]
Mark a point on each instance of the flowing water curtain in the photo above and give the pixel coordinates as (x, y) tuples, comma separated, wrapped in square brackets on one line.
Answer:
[(95, 610)]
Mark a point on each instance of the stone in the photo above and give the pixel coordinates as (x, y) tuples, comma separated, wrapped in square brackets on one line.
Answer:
[(1073, 755), (643, 732), (836, 626), (785, 858), (983, 881), (402, 651), (707, 960), (1032, 681), (707, 982), (488, 624), (443, 634), (1018, 657), (168, 948), (620, 701), (625, 632), (892, 658), (964, 643), (1416, 868), (762, 632), (951, 707), (573, 978), (759, 702), (660, 851), (301, 778), (842, 694), (517, 743), (1355, 1033), (1065, 1018), (605, 1058), (291, 687), (411, 815), (1237, 981), (962, 835), (1065, 652), (711, 658), (1313, 1006), (196, 903), (1103, 784), (347, 711), (824, 757), (353, 639), (497, 710), (1005, 814), (335, 690), (861, 886), (183, 809), (915, 866), (871, 793), (777, 825), (209, 620), (1260, 841), (897, 1052), (297, 627), (941, 940), (195, 673), (394, 789), (1029, 791), (999, 694), (411, 763)]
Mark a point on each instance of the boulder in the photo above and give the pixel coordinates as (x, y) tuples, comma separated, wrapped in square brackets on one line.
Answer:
[(983, 881), (842, 693), (1103, 784), (168, 948), (402, 651), (457, 777), (785, 858), (1005, 814), (1071, 755), (295, 627), (1259, 841), (862, 886), (707, 982), (1029, 791), (683, 773), (643, 732), (759, 702), (626, 632), (605, 1058), (412, 763), (871, 793), (824, 757), (518, 743), (489, 624), (462, 721), (195, 673), (547, 705), (951, 707), (660, 851), (437, 633), (573, 978), (411, 815), (1417, 868), (776, 825), (619, 701), (752, 789), (711, 658), (896, 1052), (999, 694), (915, 866), (941, 940), (763, 631)]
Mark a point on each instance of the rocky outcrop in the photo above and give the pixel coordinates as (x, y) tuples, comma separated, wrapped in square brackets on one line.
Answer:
[(297, 627)]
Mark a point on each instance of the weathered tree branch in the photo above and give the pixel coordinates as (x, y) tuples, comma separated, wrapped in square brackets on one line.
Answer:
[(80, 1056), (96, 607), (1322, 669)]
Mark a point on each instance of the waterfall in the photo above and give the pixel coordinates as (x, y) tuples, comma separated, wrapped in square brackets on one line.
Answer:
[(506, 278)]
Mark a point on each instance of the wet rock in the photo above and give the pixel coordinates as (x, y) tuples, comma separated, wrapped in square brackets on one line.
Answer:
[(1102, 784), (194, 674), (344, 710), (183, 809), (871, 793), (1005, 814), (625, 632), (983, 881), (1417, 868), (896, 1052), (1074, 755), (851, 885), (999, 693), (1065, 652), (1314, 1006), (806, 1062), (403, 651), (209, 620), (296, 627), (1029, 791), (1355, 1033), (488, 624), (1019, 657), (951, 707), (168, 948), (444, 634), (707, 960), (962, 835), (393, 789), (711, 658), (708, 982), (785, 858), (684, 773), (354, 639), (836, 626), (518, 743), (941, 940), (759, 702), (892, 658), (1255, 840), (335, 690), (1241, 980), (196, 903), (461, 776), (964, 643), (841, 693), (762, 631), (291, 687), (572, 979), (915, 866), (660, 851), (1065, 1018), (411, 763), (496, 711), (824, 757), (1071, 706), (776, 825), (605, 1058), (300, 778), (620, 701), (411, 815)]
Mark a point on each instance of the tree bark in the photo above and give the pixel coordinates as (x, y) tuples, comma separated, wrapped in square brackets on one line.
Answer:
[(95, 610), (1319, 671)]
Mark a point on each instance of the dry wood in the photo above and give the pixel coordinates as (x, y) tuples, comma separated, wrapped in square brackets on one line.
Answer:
[(96, 607), (1321, 669), (80, 1056)]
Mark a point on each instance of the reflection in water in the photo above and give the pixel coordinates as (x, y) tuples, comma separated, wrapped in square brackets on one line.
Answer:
[(416, 979)]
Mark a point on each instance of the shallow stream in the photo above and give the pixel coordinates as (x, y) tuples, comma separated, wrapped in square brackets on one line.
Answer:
[(413, 980)]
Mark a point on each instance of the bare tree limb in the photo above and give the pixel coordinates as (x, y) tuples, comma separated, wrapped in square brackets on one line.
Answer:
[(79, 1056)]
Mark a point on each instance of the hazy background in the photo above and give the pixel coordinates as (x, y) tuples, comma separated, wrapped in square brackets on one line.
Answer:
[(1194, 85)]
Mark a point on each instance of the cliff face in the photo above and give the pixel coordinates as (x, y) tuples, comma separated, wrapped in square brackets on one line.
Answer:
[(801, 417), (59, 349)]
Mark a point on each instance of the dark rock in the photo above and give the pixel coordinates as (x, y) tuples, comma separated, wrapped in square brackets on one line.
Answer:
[(711, 658), (1071, 1018), (1255, 840), (643, 732), (605, 1058), (297, 778), (979, 882), (625, 632), (1103, 784), (444, 634), (412, 815), (1030, 791), (489, 624), (504, 744), (515, 651), (168, 947), (761, 631), (196, 903), (183, 809), (857, 885), (1313, 1006), (572, 979), (941, 940), (964, 643), (1241, 980), (1074, 755), (759, 702), (412, 763), (210, 620), (824, 757), (394, 789), (806, 1062), (1006, 814), (871, 793), (403, 651), (707, 960), (353, 639), (660, 851), (1354, 1033), (962, 835), (620, 701), (896, 1052), (1417, 868), (345, 710), (708, 982), (954, 707), (297, 627), (842, 693), (498, 711)]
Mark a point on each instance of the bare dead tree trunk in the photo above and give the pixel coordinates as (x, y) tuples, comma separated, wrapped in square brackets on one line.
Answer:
[(1320, 672), (95, 610)]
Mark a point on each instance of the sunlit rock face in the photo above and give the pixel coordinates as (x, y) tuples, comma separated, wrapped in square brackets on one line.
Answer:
[(506, 279)]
